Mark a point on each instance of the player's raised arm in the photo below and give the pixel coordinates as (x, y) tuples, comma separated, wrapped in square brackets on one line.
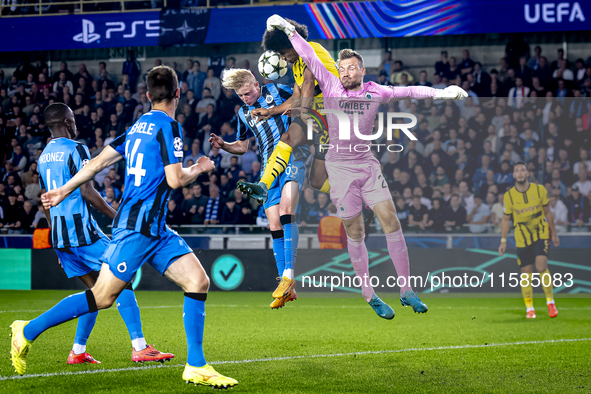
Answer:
[(177, 176), (420, 92), (325, 79), (238, 147), (108, 157)]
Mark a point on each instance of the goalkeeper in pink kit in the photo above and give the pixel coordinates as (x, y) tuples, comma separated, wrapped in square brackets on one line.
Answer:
[(354, 173)]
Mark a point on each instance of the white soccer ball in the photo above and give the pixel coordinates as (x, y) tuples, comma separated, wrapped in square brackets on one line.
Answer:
[(272, 66)]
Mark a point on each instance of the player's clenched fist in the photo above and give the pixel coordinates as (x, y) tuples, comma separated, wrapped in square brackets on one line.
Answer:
[(52, 198), (205, 164)]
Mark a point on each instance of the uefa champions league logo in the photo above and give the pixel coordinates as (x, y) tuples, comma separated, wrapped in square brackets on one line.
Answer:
[(178, 144)]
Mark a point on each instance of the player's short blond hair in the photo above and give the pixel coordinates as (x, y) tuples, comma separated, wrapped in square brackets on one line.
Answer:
[(348, 54), (236, 78)]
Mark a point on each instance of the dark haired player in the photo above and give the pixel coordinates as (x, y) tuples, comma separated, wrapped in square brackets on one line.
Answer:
[(307, 95), (527, 204), (153, 151), (76, 237)]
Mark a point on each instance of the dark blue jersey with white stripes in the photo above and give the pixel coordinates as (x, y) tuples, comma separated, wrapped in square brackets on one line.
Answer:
[(152, 143), (268, 132), (72, 225)]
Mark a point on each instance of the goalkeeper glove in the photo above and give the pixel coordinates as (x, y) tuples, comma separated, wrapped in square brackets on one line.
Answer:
[(452, 92), (277, 22)]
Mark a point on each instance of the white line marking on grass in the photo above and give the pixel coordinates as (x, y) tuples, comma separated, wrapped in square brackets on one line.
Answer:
[(255, 360), (314, 306)]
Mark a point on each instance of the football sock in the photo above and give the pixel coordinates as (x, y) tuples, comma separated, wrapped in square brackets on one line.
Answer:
[(547, 285), (85, 325), (360, 262), (278, 250), (67, 309), (276, 164), (399, 255), (130, 312), (528, 293), (79, 349), (292, 236), (325, 187), (194, 320)]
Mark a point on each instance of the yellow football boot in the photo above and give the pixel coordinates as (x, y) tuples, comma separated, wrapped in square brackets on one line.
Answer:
[(207, 376), (284, 288), (19, 346), (280, 302)]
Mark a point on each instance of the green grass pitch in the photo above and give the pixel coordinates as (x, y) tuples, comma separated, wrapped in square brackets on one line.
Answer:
[(317, 345)]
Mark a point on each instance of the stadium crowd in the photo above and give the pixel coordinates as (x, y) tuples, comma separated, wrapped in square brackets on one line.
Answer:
[(451, 179)]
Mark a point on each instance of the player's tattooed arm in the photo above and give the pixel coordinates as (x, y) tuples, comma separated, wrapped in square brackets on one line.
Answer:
[(177, 176), (90, 194), (108, 157)]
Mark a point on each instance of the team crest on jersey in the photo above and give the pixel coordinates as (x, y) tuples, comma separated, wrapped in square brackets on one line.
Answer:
[(269, 99), (85, 162), (368, 96)]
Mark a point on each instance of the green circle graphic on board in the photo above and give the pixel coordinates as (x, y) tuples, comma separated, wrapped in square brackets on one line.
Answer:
[(227, 272)]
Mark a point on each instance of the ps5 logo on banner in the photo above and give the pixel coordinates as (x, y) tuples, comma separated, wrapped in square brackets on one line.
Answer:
[(117, 29), (88, 35), (553, 13)]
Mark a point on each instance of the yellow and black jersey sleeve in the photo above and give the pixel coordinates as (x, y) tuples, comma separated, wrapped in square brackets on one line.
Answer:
[(299, 67)]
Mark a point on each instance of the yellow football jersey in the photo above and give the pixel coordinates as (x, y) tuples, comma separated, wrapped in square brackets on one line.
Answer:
[(299, 67), (527, 209)]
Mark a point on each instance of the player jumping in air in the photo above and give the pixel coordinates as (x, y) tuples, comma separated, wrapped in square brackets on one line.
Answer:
[(76, 237), (153, 151), (307, 93), (356, 176), (284, 192), (527, 203)]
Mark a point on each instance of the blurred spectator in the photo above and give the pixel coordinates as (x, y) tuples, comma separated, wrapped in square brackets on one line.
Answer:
[(436, 216), (454, 215), (195, 79), (578, 211), (319, 209), (214, 207), (386, 64), (195, 152), (175, 215), (194, 207), (418, 214), (397, 73), (478, 216), (560, 213), (231, 213), (583, 184), (214, 84)]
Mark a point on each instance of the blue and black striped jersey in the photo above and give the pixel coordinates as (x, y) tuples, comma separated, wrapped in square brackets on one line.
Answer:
[(72, 224), (152, 143), (268, 132)]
